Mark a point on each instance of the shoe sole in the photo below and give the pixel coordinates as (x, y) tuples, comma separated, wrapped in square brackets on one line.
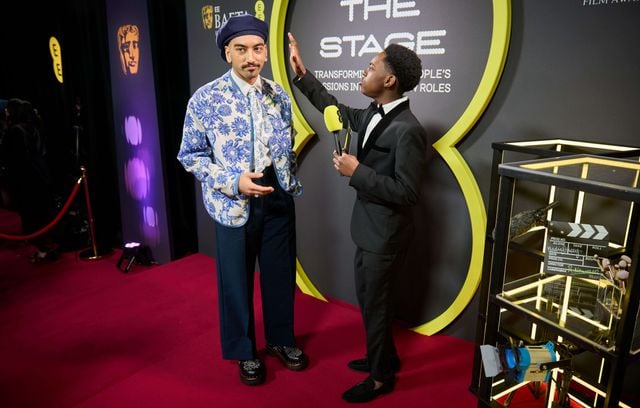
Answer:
[(365, 368), (252, 381), (297, 367), (360, 369)]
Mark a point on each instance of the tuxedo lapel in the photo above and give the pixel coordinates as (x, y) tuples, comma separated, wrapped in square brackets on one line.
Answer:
[(371, 111), (380, 127)]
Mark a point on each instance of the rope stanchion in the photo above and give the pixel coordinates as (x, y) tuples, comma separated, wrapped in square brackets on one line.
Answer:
[(53, 223), (93, 252)]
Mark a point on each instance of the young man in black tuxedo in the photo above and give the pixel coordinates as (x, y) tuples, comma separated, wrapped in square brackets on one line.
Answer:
[(386, 174)]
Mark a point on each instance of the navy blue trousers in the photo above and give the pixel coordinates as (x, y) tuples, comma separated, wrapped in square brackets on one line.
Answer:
[(270, 237)]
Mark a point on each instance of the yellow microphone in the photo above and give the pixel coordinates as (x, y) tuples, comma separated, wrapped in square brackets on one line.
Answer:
[(333, 122)]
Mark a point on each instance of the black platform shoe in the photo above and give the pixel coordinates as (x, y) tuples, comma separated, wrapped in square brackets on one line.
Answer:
[(251, 371), (291, 357)]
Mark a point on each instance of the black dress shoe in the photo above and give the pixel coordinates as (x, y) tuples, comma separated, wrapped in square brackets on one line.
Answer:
[(292, 357), (366, 390), (362, 365), (251, 371)]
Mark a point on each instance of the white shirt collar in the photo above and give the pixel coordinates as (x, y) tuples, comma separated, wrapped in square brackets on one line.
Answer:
[(389, 106), (244, 85)]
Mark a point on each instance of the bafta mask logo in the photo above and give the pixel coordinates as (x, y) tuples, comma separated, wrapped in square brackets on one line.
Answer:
[(207, 17), (128, 38)]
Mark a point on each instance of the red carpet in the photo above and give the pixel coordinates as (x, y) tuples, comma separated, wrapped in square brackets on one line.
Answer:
[(78, 333)]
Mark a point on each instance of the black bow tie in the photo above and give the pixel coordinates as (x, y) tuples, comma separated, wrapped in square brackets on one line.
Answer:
[(380, 110)]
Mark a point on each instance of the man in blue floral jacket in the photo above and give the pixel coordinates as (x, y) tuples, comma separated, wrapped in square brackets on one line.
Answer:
[(237, 141)]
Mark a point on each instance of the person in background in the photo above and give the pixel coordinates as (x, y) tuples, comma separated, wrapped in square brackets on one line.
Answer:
[(30, 183), (386, 174), (237, 141)]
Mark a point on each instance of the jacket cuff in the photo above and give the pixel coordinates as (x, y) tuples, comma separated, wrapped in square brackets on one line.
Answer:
[(235, 185)]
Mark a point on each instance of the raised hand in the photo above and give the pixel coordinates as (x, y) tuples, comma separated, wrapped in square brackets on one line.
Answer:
[(294, 57)]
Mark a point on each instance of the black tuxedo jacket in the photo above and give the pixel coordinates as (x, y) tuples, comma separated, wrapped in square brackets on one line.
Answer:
[(389, 176)]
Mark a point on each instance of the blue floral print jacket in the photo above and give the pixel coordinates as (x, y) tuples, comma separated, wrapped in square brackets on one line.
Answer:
[(218, 144)]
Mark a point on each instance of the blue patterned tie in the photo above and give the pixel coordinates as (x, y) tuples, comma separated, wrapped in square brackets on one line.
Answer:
[(260, 152)]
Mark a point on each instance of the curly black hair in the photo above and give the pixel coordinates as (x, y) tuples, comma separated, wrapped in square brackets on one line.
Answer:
[(405, 65)]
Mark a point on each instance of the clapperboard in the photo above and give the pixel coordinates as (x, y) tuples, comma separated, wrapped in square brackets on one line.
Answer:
[(571, 247)]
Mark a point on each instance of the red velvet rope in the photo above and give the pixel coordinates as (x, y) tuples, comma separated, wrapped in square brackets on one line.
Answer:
[(41, 231)]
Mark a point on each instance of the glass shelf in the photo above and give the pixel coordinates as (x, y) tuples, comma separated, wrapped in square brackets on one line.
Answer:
[(584, 308)]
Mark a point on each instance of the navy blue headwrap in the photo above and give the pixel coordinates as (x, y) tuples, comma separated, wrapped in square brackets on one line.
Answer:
[(236, 26)]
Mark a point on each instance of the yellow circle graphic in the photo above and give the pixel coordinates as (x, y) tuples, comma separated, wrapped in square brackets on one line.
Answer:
[(445, 146)]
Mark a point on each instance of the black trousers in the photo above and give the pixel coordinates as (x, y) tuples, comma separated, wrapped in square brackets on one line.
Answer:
[(269, 236), (374, 277)]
